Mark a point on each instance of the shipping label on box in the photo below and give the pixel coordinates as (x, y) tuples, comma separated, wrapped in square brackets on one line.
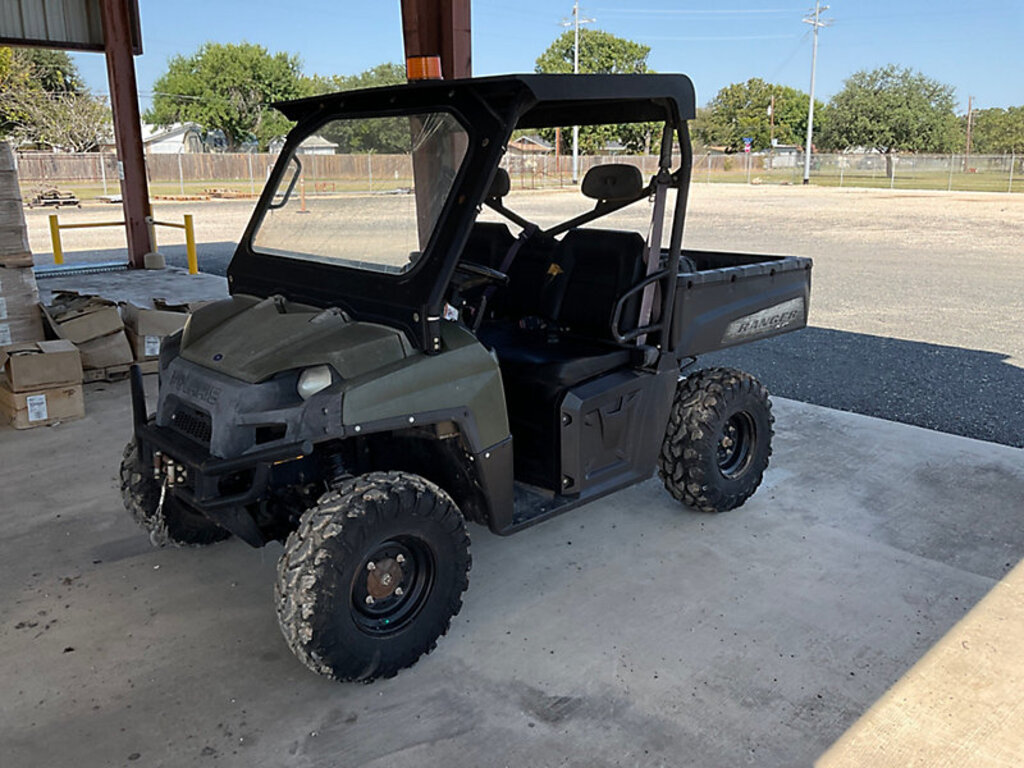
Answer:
[(41, 365), (36, 407), (23, 410)]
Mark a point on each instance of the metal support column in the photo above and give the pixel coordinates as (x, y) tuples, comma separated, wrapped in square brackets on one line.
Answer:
[(127, 127), (439, 28)]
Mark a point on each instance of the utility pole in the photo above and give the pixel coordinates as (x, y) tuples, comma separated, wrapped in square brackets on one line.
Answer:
[(771, 131), (576, 21), (817, 22)]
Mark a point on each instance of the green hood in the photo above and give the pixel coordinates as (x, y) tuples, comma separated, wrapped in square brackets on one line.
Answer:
[(253, 339)]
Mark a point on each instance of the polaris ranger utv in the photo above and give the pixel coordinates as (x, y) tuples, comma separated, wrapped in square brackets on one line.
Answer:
[(399, 359)]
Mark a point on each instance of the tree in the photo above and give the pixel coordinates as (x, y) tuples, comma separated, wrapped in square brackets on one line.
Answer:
[(998, 131), (741, 110), (230, 88), (891, 110), (601, 53), (43, 102), (386, 135)]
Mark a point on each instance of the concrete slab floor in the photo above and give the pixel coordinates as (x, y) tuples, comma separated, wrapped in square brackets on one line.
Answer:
[(629, 632)]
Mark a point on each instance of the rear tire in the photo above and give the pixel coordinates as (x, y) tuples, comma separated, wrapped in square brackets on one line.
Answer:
[(372, 576), (174, 524), (718, 441)]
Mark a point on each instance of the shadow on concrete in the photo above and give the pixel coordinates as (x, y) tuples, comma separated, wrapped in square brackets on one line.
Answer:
[(961, 391)]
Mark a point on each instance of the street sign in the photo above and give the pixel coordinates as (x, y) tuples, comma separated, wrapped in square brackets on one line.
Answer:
[(747, 141)]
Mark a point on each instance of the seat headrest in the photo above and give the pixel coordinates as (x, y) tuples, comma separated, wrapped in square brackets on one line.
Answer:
[(500, 185), (615, 181)]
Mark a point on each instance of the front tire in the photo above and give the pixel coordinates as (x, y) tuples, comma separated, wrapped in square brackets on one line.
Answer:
[(172, 524), (372, 576), (718, 441)]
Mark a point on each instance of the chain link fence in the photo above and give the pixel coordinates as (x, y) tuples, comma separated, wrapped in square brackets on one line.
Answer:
[(242, 175)]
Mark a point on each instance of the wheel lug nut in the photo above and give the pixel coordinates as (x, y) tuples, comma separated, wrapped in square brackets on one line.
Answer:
[(371, 566), (399, 559), (399, 591), (369, 600)]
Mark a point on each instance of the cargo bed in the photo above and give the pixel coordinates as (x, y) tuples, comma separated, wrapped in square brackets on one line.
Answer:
[(733, 298)]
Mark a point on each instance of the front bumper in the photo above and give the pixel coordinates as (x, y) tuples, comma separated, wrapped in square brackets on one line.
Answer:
[(219, 488)]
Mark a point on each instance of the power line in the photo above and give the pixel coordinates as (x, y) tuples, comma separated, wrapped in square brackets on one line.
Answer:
[(723, 38), (816, 23), (691, 12)]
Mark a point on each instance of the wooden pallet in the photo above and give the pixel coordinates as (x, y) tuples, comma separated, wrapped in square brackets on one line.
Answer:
[(117, 372)]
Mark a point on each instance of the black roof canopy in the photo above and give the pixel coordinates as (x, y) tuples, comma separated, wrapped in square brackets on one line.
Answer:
[(542, 100)]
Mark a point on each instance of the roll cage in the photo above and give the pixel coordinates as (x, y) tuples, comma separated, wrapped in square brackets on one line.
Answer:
[(489, 109)]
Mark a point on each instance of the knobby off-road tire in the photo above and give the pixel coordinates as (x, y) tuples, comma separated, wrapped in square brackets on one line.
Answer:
[(391, 536), (175, 524), (718, 440)]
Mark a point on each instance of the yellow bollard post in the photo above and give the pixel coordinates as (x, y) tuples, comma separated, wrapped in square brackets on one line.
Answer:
[(190, 246), (58, 252)]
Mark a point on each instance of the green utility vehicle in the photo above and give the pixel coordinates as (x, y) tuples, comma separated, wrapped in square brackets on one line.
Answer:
[(410, 348)]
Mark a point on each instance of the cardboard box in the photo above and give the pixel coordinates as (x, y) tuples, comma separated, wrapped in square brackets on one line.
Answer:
[(41, 365), (112, 349), (15, 258), (146, 327), (25, 328), (81, 318), (42, 407), (18, 293)]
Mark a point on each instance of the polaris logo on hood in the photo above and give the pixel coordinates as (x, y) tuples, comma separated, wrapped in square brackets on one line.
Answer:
[(772, 320)]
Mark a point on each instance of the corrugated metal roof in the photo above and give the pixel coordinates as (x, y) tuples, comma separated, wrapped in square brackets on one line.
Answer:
[(71, 24)]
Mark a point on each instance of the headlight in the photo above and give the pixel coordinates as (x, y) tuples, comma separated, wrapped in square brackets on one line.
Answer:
[(313, 380)]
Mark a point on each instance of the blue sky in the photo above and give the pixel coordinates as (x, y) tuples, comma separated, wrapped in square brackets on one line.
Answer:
[(976, 47)]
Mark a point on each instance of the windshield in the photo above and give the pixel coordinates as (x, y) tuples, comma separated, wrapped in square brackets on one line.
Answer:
[(365, 192)]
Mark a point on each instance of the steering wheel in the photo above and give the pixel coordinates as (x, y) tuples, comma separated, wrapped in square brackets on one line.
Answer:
[(484, 274)]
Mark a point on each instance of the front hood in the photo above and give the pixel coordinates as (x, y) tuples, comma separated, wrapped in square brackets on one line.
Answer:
[(253, 339)]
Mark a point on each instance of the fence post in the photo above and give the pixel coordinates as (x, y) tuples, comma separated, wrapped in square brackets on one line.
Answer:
[(842, 163), (252, 178), (1013, 158), (949, 187), (709, 168), (103, 172), (181, 179), (892, 177)]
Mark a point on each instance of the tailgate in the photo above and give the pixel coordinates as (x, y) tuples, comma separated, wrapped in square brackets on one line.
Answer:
[(734, 298)]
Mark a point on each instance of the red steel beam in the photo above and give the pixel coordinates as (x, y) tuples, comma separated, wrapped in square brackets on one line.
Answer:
[(439, 28), (124, 103)]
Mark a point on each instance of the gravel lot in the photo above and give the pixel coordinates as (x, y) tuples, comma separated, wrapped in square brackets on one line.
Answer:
[(916, 310)]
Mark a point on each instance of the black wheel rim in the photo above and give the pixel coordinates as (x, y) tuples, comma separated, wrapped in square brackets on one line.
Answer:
[(736, 445), (392, 585)]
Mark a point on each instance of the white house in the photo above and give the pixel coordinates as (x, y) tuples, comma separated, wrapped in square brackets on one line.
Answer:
[(312, 145), (175, 139)]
